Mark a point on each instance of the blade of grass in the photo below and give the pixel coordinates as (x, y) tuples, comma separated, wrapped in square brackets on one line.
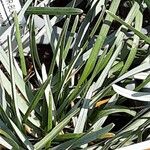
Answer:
[(14, 102), (75, 60), (62, 47), (70, 39), (84, 112), (145, 82), (51, 35), (53, 11), (116, 68), (4, 143), (141, 96), (132, 72), (102, 62), (85, 56), (33, 46), (56, 19), (9, 131), (85, 25), (68, 136), (20, 47), (131, 56), (3, 101), (64, 145), (50, 102), (22, 137), (24, 8), (144, 145), (98, 124), (57, 51)]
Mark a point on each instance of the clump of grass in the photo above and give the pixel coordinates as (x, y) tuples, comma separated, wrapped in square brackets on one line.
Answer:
[(80, 101)]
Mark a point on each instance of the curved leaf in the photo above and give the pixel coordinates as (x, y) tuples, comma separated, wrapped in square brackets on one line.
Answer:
[(112, 110), (140, 96)]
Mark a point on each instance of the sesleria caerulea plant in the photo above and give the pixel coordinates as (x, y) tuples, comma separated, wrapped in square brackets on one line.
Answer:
[(92, 83)]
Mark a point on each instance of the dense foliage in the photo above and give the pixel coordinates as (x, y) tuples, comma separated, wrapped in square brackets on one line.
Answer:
[(75, 77)]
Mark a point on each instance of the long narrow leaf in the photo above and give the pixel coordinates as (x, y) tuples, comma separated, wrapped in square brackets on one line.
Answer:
[(14, 102), (138, 25), (141, 96), (53, 11), (20, 47)]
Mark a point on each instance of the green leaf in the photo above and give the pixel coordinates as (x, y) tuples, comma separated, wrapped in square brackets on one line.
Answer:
[(141, 96), (14, 101), (84, 27), (51, 35), (24, 8), (83, 115), (53, 11), (20, 47), (4, 142), (131, 56), (49, 101), (9, 130), (3, 101), (33, 46), (68, 136), (130, 73), (70, 38), (98, 124), (146, 81)]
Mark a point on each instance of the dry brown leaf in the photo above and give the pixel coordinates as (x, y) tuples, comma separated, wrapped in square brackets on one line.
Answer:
[(101, 102)]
